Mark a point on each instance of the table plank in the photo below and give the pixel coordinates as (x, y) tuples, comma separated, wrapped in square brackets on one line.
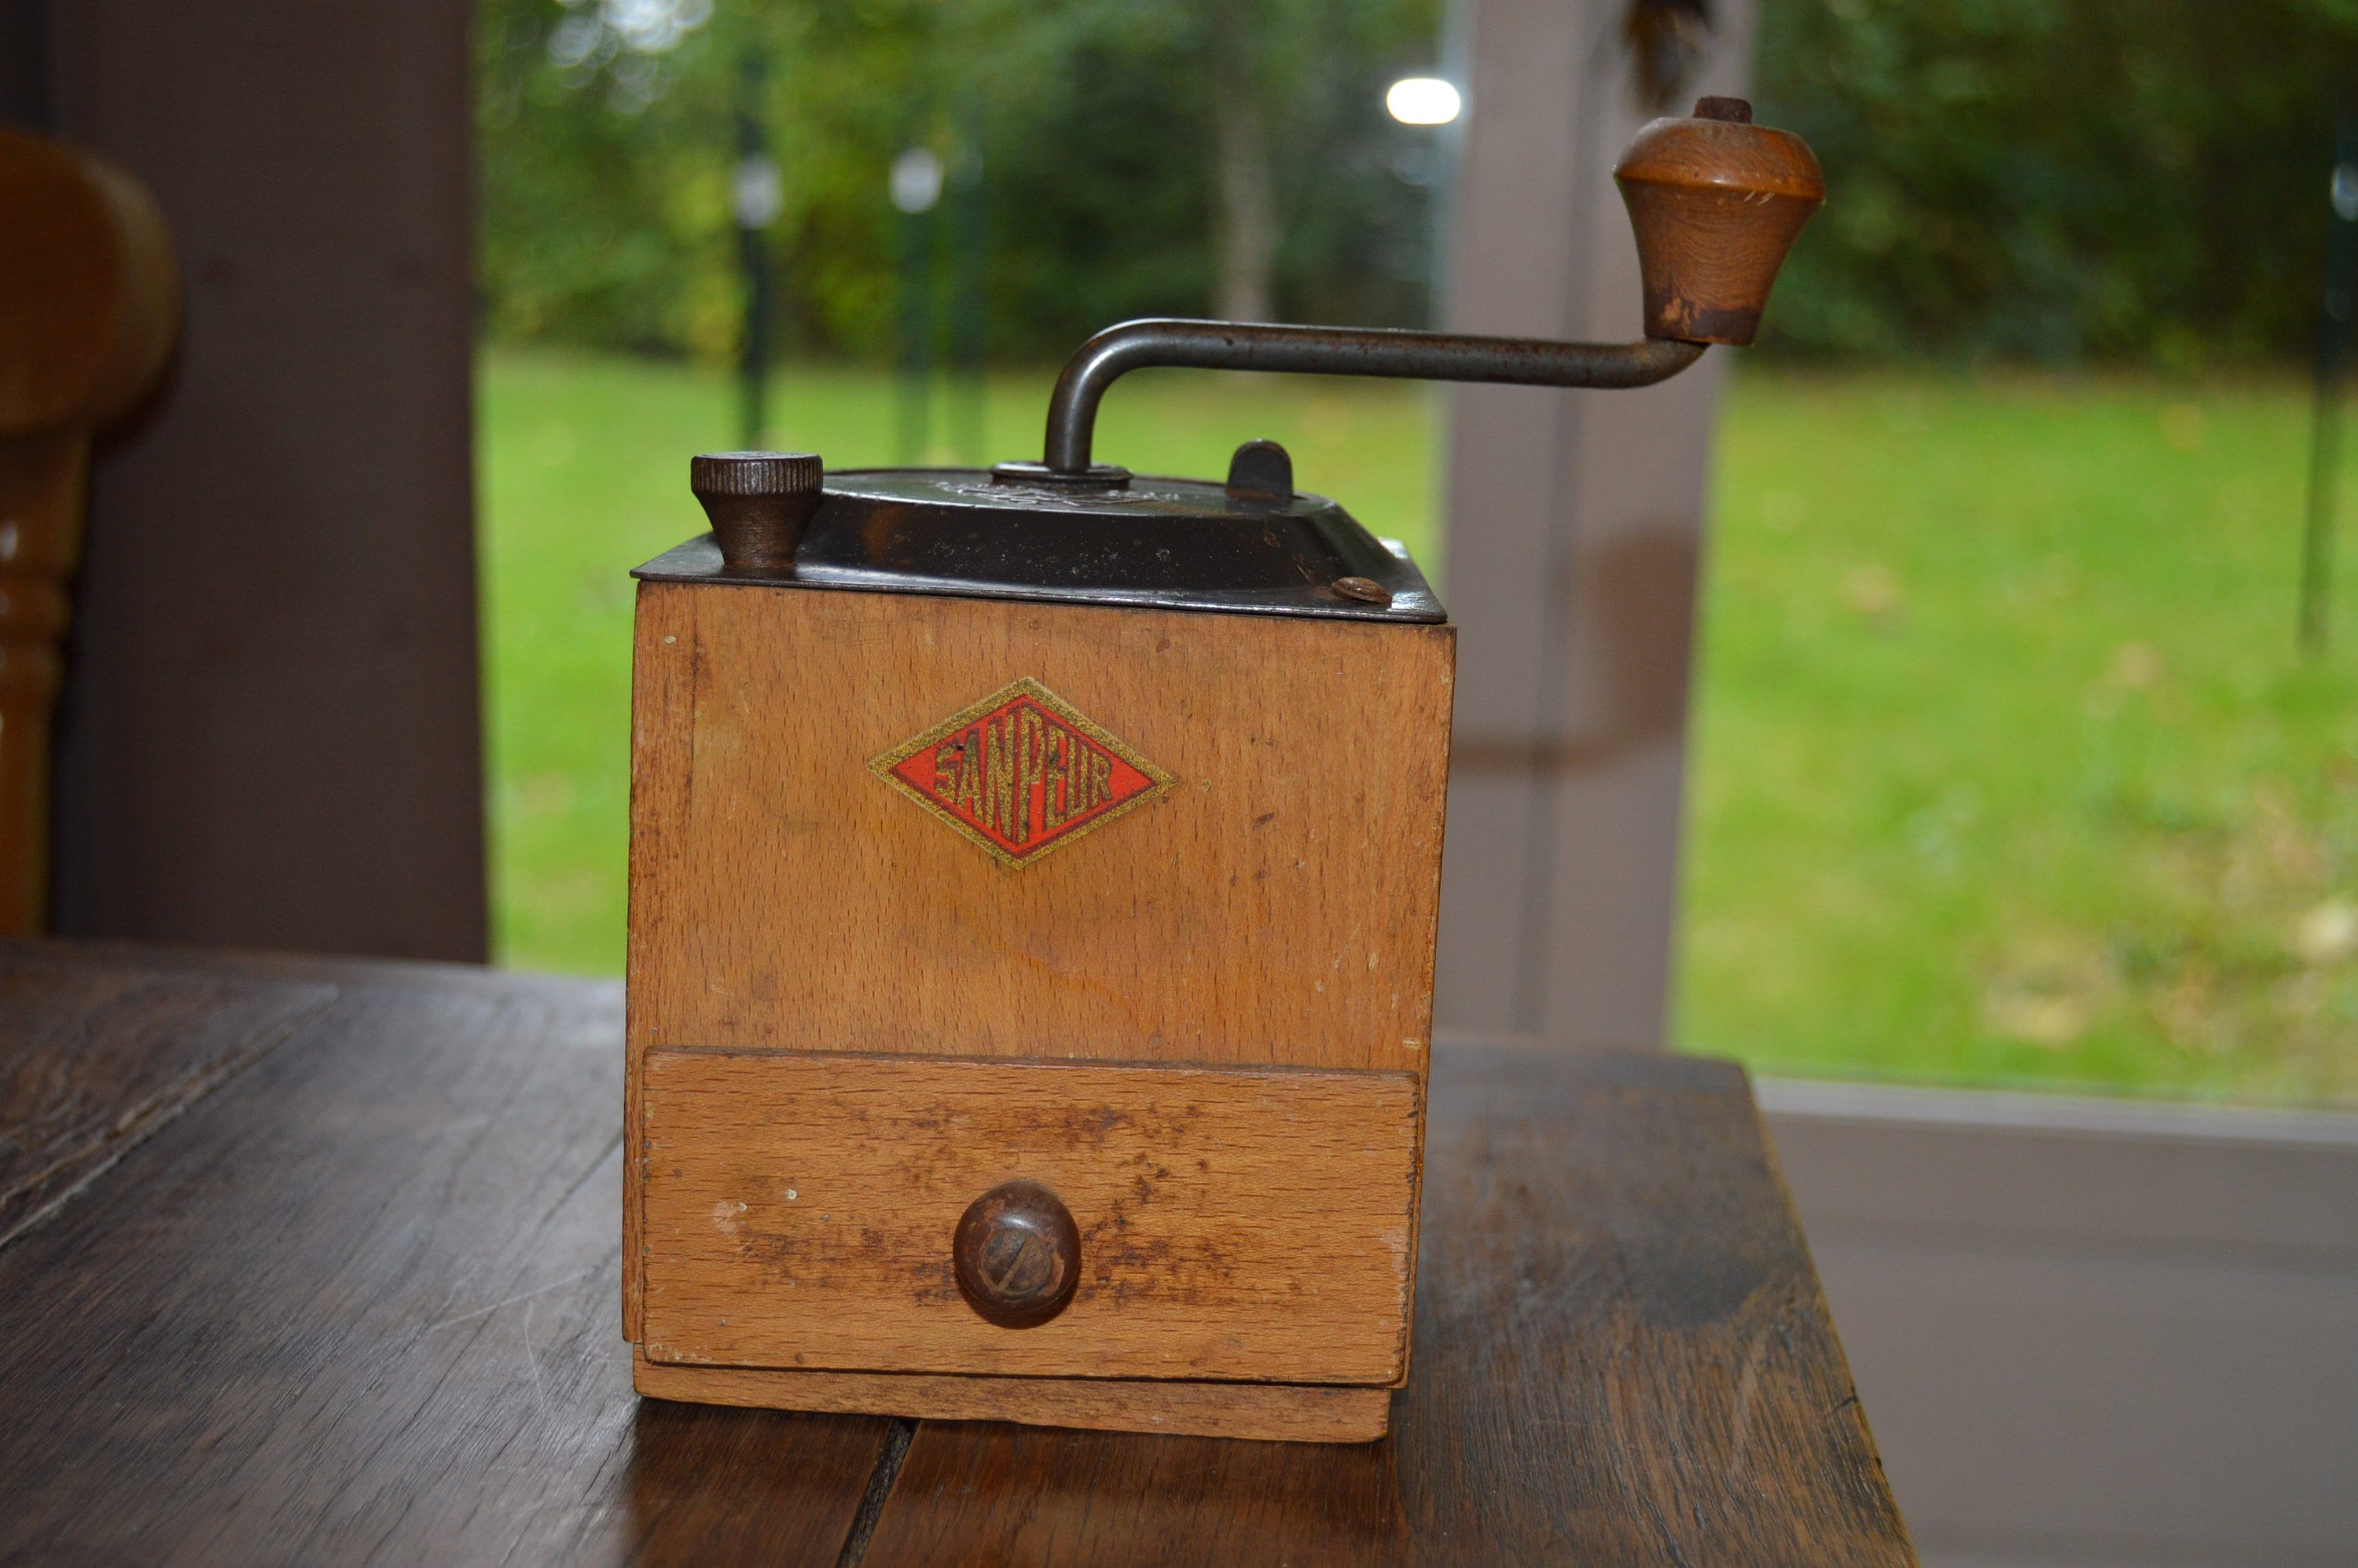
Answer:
[(96, 1055), (361, 1302), (1622, 1355)]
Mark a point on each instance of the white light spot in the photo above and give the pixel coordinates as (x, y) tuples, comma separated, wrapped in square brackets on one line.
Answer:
[(918, 180), (1423, 101), (758, 192)]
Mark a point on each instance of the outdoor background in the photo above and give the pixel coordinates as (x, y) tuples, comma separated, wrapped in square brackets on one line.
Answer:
[(2009, 768)]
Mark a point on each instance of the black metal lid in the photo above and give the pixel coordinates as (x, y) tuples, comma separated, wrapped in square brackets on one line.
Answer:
[(1254, 544)]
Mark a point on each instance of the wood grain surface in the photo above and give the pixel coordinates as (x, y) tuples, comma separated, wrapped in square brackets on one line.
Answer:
[(1622, 1356), (1235, 1223), (357, 1304), (95, 1057), (1276, 906), (1262, 1412)]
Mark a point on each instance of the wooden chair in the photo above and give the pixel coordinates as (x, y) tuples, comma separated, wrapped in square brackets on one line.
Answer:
[(89, 301)]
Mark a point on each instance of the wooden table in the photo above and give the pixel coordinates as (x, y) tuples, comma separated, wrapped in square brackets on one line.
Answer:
[(310, 1262)]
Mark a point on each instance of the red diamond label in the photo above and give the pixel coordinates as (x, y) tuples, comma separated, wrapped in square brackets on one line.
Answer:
[(1020, 772)]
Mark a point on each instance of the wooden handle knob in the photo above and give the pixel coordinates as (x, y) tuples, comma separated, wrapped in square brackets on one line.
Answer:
[(1715, 201), (760, 502)]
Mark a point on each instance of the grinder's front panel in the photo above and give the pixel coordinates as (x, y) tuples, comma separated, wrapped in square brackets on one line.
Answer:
[(1274, 903), (938, 898)]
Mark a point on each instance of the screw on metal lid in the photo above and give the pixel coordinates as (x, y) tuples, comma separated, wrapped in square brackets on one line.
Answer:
[(755, 473)]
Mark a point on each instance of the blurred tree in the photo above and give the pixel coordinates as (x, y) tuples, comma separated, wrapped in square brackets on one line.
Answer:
[(1140, 156), (2118, 179), (2128, 180), (1240, 64)]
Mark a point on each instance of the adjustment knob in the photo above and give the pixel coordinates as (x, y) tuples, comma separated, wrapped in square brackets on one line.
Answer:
[(1018, 1255), (760, 502)]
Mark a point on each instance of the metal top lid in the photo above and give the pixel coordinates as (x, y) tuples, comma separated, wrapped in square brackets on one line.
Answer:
[(1252, 544)]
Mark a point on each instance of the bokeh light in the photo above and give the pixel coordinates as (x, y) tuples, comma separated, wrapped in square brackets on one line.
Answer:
[(1423, 101)]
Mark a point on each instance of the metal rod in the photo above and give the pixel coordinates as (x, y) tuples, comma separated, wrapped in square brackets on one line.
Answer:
[(969, 305), (912, 433), (2316, 533), (2332, 364), (752, 254), (1336, 351)]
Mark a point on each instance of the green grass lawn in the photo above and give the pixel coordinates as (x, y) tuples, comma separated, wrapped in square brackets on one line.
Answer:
[(2005, 770)]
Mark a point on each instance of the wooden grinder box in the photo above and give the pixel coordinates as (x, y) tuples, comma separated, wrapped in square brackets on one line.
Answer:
[(1033, 880), (932, 893)]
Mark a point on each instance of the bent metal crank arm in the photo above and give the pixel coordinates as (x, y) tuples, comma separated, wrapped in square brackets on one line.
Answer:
[(1715, 201)]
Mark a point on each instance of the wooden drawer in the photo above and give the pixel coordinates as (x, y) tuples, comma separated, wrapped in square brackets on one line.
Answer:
[(1236, 1223)]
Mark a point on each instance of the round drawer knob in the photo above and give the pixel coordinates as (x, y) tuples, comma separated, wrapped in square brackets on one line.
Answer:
[(1018, 1255)]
